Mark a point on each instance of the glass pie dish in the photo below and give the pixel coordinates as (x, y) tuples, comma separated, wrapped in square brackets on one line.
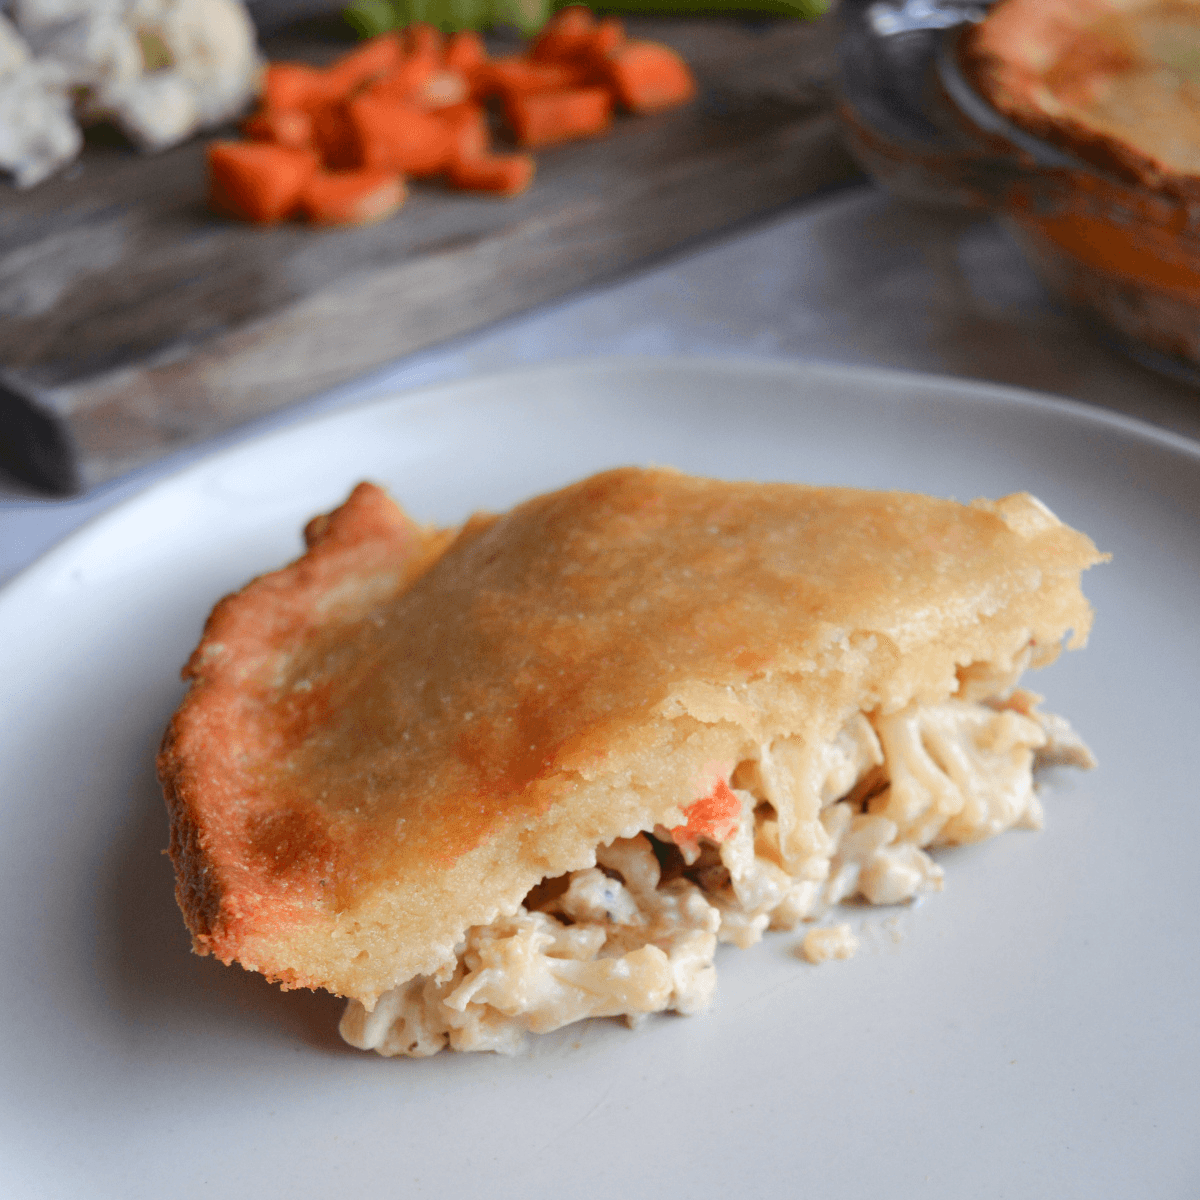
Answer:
[(1108, 235)]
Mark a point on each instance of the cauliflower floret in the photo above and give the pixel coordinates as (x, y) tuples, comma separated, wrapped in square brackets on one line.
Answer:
[(211, 43), (37, 132), (159, 69), (87, 39), (14, 53)]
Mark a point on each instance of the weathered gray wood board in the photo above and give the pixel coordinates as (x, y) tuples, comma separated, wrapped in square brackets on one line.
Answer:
[(132, 322)]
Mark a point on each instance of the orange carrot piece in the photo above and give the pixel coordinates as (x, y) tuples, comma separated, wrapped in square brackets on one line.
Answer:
[(575, 18), (465, 51), (646, 77), (352, 197), (399, 137), (371, 60), (508, 77), (285, 127), (504, 174), (425, 41), (713, 816), (443, 89), (256, 181), (606, 37), (564, 35), (334, 137), (406, 82), (586, 51), (293, 86), (467, 130), (544, 118)]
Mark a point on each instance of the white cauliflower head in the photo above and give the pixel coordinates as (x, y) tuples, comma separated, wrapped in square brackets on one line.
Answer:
[(159, 69), (37, 132)]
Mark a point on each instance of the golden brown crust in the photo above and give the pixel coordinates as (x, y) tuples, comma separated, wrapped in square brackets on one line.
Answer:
[(356, 556), (1108, 80), (396, 736)]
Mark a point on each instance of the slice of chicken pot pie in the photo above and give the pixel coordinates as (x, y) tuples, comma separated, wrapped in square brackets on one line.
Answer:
[(488, 781)]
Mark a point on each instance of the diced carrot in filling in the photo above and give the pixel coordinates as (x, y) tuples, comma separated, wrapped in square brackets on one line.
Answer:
[(646, 77), (289, 127), (713, 816), (352, 197), (257, 181), (398, 137), (542, 119), (503, 174)]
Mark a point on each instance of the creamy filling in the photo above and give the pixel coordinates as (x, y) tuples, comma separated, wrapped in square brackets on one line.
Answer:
[(637, 933)]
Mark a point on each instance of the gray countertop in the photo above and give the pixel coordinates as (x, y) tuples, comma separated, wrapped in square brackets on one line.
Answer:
[(852, 277)]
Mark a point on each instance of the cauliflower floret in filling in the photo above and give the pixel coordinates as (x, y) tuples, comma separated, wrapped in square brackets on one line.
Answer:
[(637, 933)]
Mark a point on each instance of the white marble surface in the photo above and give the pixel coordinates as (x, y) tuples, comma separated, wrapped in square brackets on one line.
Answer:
[(854, 277)]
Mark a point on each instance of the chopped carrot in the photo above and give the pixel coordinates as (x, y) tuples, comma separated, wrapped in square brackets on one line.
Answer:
[(564, 35), (504, 174), (425, 41), (586, 51), (257, 181), (508, 77), (467, 130), (352, 197), (336, 143), (443, 89), (646, 77), (606, 37), (465, 51), (293, 86), (289, 127), (399, 137), (544, 118), (334, 137), (580, 39), (575, 18), (374, 58), (406, 81), (713, 816)]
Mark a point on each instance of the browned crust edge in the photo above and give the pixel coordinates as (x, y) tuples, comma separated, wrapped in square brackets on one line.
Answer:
[(1007, 85), (221, 895)]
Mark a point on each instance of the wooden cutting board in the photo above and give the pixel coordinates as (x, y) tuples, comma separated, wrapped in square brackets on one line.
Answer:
[(132, 322)]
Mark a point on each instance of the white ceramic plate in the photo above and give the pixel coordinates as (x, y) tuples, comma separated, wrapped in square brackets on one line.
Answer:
[(1032, 1031)]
